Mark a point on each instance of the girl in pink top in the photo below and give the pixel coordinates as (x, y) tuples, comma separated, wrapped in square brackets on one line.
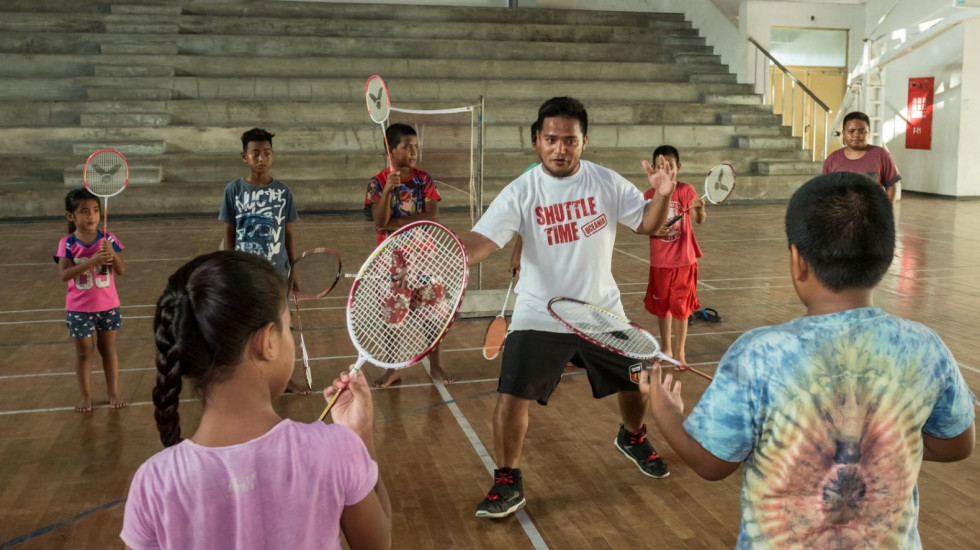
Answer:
[(247, 478), (88, 261)]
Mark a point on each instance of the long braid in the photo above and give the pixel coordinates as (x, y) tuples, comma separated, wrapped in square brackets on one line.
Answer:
[(166, 393)]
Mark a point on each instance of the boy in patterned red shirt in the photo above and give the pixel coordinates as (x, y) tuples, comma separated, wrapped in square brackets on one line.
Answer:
[(399, 197)]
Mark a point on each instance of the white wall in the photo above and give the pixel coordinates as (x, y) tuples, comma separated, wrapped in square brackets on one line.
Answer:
[(968, 175), (757, 18), (948, 167)]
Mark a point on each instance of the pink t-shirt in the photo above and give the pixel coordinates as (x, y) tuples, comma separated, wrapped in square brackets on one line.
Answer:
[(90, 291), (876, 163), (679, 247), (285, 489)]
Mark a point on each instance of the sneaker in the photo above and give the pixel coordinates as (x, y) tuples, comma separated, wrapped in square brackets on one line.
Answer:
[(505, 497), (636, 448)]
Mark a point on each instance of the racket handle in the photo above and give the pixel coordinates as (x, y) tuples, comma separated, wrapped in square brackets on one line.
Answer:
[(330, 403), (683, 367), (675, 219), (326, 410)]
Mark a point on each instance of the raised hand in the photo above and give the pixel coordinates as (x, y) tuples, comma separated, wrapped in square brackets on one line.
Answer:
[(663, 177)]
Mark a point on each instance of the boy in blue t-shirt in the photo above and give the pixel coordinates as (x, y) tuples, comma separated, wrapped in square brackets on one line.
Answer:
[(831, 413), (259, 213)]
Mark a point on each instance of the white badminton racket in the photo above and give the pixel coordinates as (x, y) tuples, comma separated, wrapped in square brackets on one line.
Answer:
[(611, 331), (316, 272), (379, 108), (106, 174), (718, 186), (405, 297)]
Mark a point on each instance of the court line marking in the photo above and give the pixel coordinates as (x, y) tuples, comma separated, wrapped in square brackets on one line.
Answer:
[(62, 523), (537, 541)]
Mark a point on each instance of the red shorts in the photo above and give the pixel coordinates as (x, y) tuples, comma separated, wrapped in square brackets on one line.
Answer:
[(673, 291)]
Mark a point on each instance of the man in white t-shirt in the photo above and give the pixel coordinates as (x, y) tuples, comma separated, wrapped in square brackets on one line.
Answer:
[(566, 211)]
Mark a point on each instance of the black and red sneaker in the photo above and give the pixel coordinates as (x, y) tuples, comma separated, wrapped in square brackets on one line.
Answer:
[(505, 497), (636, 448)]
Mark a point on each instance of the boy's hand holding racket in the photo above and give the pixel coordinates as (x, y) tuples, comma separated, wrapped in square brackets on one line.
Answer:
[(354, 408), (661, 392)]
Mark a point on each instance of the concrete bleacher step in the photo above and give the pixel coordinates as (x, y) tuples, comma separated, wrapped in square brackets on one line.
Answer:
[(777, 167), (282, 114), (122, 120), (139, 174), (134, 70), (127, 148), (145, 9), (733, 99), (768, 142), (137, 48), (142, 28), (119, 93), (436, 14)]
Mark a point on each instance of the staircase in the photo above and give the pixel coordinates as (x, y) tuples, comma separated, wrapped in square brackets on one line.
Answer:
[(172, 84)]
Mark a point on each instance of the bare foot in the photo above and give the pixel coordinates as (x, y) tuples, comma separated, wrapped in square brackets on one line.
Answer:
[(293, 387), (116, 403), (440, 374), (84, 406), (390, 377)]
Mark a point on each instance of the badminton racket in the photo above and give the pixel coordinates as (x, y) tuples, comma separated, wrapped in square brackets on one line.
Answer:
[(493, 341), (106, 174), (405, 297), (718, 186), (379, 108), (611, 331), (315, 273)]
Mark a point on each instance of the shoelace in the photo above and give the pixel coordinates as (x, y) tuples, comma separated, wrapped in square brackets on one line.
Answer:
[(502, 478), (639, 437)]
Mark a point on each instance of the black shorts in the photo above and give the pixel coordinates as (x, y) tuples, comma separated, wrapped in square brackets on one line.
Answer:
[(534, 360)]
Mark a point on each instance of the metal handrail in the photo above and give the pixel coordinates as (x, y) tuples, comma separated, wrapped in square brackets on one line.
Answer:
[(794, 83)]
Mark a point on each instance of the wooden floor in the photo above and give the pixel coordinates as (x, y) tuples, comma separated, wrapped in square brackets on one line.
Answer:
[(64, 476)]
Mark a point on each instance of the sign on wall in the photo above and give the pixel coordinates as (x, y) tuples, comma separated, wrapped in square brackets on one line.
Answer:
[(918, 131)]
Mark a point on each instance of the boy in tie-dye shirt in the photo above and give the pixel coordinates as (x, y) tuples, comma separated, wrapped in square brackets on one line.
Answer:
[(833, 413)]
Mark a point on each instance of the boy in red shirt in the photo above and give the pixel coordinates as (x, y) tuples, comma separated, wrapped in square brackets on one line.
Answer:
[(674, 253), (398, 198)]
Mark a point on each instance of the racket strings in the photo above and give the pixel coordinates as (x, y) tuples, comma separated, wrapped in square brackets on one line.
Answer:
[(378, 104), (606, 327), (393, 324), (106, 174), (316, 274), (722, 184)]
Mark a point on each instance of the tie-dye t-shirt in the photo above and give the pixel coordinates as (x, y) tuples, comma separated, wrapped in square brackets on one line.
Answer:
[(827, 414)]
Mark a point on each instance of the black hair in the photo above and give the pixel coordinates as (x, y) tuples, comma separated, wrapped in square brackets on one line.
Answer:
[(856, 115), (535, 130), (667, 151), (396, 132), (256, 134), (204, 319), (565, 107), (74, 199), (843, 226)]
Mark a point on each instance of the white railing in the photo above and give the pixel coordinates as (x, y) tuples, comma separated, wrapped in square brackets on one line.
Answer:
[(810, 104)]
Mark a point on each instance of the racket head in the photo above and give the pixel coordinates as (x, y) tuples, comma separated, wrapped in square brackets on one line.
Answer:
[(316, 271), (106, 173), (719, 183), (493, 341), (604, 328), (378, 102), (395, 327)]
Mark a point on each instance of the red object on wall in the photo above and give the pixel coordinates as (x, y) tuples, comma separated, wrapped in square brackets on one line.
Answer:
[(918, 131)]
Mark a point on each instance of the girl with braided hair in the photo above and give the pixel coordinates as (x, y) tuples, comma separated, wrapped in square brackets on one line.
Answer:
[(248, 478)]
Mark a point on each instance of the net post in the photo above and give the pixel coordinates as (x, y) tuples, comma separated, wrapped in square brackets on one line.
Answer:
[(481, 128)]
